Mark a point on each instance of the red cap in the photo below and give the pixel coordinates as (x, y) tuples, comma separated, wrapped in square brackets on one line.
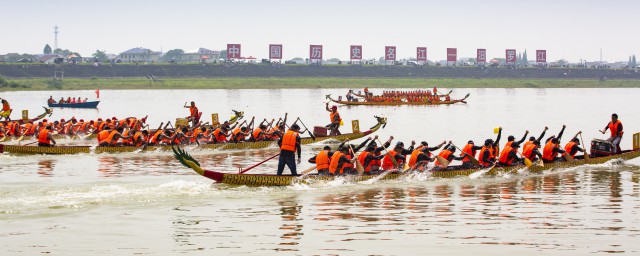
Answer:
[(334, 107), (144, 120), (62, 120), (81, 120), (114, 118), (99, 119)]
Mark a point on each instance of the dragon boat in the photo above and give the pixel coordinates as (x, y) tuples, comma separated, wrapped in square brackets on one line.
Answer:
[(47, 112), (63, 150), (396, 103), (456, 171)]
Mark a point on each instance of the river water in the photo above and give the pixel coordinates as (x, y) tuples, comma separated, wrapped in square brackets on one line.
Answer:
[(147, 203)]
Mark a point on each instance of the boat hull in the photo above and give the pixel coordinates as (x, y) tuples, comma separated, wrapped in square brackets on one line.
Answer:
[(398, 103)]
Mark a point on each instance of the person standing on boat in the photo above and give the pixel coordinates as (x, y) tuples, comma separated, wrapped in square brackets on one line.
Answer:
[(6, 110), (45, 139), (335, 120), (615, 126), (194, 116), (289, 144)]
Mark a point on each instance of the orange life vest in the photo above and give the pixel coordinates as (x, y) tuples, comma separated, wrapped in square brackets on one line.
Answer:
[(504, 155), (614, 128), (154, 138), (322, 160), (469, 150), (413, 159), (126, 141), (333, 116), (194, 111), (387, 163), (335, 160), (257, 134), (111, 139), (444, 154), (527, 143), (528, 151), (219, 135), (482, 152), (238, 135), (289, 141), (103, 136), (43, 137), (362, 157), (568, 148), (547, 152), (137, 140)]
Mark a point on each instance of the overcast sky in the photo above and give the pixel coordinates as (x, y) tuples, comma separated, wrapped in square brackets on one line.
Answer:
[(567, 29)]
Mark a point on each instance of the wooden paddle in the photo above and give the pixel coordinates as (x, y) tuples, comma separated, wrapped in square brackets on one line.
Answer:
[(393, 159), (586, 155), (30, 143), (527, 162), (256, 165), (442, 161), (305, 127), (308, 170), (473, 160), (358, 164)]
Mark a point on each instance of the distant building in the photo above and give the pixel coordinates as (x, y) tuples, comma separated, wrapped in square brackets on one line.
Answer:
[(48, 58), (140, 54), (200, 55)]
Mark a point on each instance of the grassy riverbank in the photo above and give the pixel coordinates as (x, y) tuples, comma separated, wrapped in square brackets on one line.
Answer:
[(312, 82)]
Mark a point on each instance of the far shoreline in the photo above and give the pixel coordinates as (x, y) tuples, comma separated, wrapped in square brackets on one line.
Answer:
[(167, 83)]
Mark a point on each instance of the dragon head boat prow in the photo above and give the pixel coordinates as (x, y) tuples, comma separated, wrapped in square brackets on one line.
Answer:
[(186, 160)]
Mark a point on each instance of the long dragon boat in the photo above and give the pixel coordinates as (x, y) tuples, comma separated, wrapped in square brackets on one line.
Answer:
[(47, 111), (396, 103), (286, 180), (63, 150), (234, 118), (358, 94)]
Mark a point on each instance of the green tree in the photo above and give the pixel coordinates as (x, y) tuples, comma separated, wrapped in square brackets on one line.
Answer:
[(173, 55), (100, 55), (66, 52), (633, 61), (525, 60), (629, 62), (223, 54), (47, 49)]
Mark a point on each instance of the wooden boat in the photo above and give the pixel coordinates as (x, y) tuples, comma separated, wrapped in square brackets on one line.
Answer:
[(286, 180), (371, 103), (47, 111), (358, 94), (63, 150), (88, 104)]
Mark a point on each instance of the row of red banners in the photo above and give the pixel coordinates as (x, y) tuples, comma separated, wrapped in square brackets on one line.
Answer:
[(315, 53)]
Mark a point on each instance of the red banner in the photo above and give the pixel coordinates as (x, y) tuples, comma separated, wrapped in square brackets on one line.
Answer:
[(452, 54), (510, 56), (275, 51), (389, 53), (356, 52), (421, 54), (315, 52), (233, 51), (541, 56), (481, 56)]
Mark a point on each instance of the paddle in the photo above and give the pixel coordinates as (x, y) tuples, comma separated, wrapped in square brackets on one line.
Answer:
[(358, 164), (586, 155), (255, 165), (442, 161), (30, 143), (305, 127), (393, 159), (527, 162), (308, 170), (473, 160)]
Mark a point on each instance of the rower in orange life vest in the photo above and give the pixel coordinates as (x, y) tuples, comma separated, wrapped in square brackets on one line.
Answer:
[(509, 155), (115, 135), (448, 153), (396, 153), (340, 161), (615, 126), (532, 152), (322, 160), (6, 110), (194, 115), (552, 148), (335, 120), (260, 133), (103, 135), (180, 137), (45, 139), (422, 155), (470, 149), (289, 145), (573, 147), (371, 158)]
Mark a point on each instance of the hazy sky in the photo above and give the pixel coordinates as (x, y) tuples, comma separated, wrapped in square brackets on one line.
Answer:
[(567, 29)]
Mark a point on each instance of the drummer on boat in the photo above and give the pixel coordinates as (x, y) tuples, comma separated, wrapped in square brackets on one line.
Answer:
[(615, 126), (6, 110), (194, 114), (335, 120)]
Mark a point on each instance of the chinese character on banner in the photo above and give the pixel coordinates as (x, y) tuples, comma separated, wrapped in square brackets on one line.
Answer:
[(421, 54), (481, 57), (233, 51), (356, 52), (452, 54), (275, 51), (389, 53), (315, 52), (541, 56), (510, 56)]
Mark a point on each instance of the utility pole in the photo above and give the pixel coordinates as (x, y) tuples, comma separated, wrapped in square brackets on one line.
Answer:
[(55, 42), (600, 55)]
